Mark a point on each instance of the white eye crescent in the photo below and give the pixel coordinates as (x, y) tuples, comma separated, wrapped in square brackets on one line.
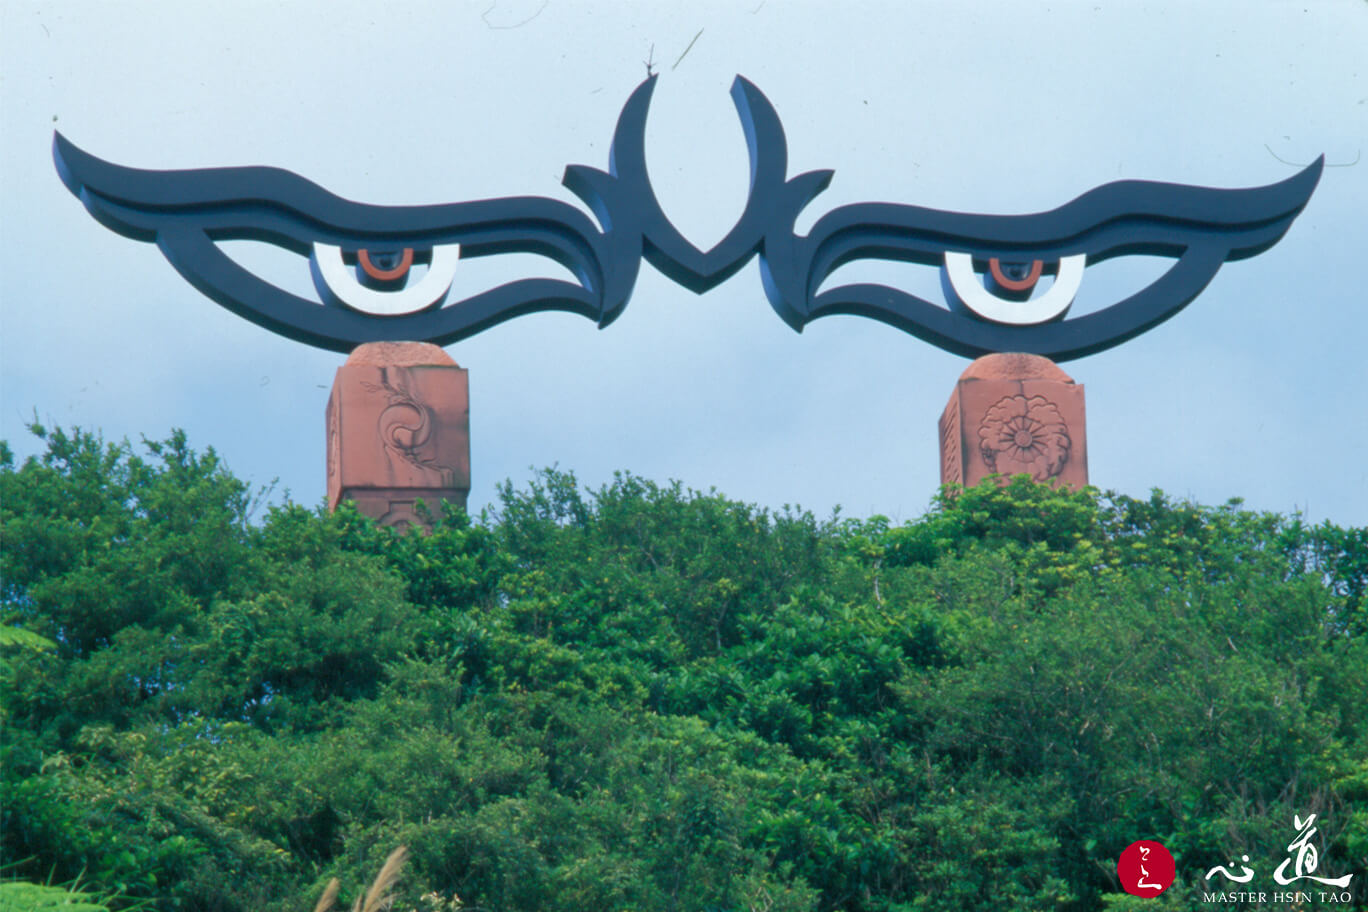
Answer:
[(968, 288), (336, 280)]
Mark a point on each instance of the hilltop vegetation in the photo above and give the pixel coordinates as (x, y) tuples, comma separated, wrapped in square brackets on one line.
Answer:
[(649, 698)]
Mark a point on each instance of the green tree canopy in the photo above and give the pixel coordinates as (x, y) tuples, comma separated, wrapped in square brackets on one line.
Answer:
[(646, 697)]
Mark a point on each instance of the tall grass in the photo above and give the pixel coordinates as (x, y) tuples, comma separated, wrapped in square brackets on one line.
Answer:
[(378, 897)]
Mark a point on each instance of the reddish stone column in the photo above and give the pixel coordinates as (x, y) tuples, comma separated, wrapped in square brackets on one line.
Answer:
[(398, 431), (1014, 413)]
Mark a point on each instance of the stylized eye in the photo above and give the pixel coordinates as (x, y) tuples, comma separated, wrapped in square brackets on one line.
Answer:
[(1007, 297), (380, 272), (994, 268), (382, 283)]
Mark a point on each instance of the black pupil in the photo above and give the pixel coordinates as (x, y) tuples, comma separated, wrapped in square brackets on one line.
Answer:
[(386, 261), (1016, 271)]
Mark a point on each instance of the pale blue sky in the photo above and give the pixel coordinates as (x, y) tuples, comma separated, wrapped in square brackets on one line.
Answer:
[(1256, 390)]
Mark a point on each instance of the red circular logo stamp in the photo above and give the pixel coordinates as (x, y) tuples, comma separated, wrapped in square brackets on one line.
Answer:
[(1145, 868)]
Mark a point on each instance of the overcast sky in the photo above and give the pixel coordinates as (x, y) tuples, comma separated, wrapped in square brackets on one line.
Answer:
[(1256, 390)]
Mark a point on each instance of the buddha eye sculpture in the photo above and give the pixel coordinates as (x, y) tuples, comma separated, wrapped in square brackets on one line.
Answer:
[(991, 264), (362, 257), (386, 272)]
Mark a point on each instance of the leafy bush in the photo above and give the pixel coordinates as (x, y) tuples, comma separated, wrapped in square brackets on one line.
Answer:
[(653, 698)]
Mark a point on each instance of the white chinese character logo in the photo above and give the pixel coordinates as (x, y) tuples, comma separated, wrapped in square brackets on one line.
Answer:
[(1306, 858), (1248, 872), (1144, 872)]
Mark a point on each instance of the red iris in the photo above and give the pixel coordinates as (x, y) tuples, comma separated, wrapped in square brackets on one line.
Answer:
[(387, 272), (1022, 282)]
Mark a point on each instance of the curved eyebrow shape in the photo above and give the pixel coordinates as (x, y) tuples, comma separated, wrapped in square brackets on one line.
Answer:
[(1200, 227), (186, 212)]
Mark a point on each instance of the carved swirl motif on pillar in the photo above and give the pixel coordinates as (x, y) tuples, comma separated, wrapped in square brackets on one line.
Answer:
[(405, 427)]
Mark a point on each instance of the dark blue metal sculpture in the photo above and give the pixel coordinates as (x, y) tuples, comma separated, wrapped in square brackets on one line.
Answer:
[(1200, 227), (362, 256)]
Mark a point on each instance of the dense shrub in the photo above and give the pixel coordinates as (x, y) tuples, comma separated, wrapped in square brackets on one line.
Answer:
[(652, 698)]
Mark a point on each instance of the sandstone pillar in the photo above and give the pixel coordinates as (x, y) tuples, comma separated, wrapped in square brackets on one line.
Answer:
[(1014, 413), (398, 431)]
